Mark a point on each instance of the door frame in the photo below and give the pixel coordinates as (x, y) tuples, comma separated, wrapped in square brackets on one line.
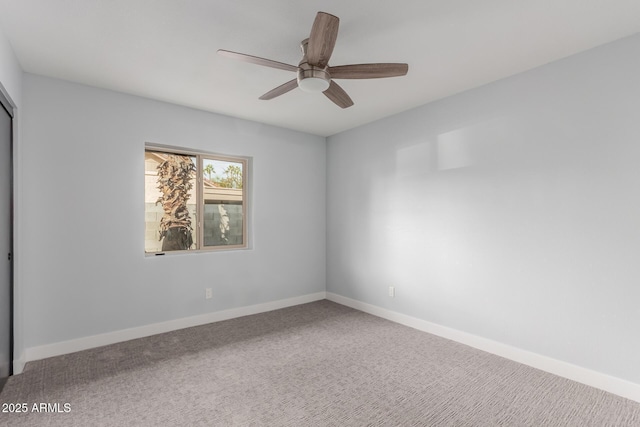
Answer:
[(8, 106)]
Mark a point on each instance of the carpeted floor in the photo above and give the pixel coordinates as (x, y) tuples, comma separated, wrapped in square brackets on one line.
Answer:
[(318, 364)]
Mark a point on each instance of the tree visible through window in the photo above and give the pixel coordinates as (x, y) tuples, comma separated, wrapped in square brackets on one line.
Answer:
[(194, 201)]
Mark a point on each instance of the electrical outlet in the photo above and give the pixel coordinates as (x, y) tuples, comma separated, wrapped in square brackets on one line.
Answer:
[(392, 291), (208, 293)]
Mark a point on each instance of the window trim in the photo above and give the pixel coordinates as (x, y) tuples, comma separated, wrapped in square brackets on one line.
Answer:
[(200, 156)]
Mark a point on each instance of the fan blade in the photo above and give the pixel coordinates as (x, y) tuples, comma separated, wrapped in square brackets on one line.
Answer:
[(338, 95), (258, 61), (280, 90), (322, 39), (368, 71)]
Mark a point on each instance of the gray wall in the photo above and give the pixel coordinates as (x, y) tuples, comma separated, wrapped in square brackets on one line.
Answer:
[(10, 71), (85, 271), (511, 211)]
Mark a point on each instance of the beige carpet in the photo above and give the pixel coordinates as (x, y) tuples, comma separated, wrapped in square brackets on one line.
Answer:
[(318, 364)]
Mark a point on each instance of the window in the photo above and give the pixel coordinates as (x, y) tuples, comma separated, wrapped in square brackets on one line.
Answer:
[(194, 201)]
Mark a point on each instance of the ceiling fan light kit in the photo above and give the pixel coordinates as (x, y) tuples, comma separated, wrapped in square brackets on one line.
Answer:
[(314, 73), (313, 81)]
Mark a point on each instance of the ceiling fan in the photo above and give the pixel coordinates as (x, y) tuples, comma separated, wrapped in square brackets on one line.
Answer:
[(314, 72)]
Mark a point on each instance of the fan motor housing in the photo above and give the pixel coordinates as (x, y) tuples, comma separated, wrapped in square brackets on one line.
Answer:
[(310, 77), (313, 79)]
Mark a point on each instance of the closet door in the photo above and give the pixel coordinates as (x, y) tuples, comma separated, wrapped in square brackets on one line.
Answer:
[(6, 242)]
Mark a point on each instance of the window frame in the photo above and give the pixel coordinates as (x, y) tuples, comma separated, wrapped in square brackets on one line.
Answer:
[(198, 223)]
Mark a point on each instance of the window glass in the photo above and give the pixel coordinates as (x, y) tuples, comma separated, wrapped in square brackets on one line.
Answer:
[(181, 188), (223, 202)]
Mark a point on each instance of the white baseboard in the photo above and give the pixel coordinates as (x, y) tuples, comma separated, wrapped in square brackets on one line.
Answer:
[(85, 343), (586, 376), (18, 364), (582, 375)]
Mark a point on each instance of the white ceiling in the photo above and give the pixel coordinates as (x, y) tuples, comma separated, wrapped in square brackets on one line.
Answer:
[(166, 49)]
